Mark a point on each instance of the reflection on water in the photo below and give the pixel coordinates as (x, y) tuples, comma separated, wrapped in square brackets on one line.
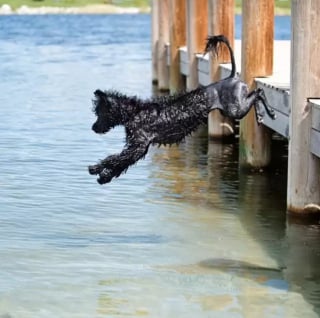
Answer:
[(249, 228), (302, 255)]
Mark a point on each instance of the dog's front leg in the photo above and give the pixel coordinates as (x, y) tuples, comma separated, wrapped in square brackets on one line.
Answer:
[(107, 163), (95, 169), (115, 165)]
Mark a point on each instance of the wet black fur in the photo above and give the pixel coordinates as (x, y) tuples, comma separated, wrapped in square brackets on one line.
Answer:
[(169, 119)]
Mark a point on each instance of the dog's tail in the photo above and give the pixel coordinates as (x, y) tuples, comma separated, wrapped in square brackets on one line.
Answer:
[(213, 44)]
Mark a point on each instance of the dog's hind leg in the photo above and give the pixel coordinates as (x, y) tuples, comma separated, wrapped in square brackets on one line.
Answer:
[(113, 166), (242, 106), (260, 98), (263, 99), (251, 100)]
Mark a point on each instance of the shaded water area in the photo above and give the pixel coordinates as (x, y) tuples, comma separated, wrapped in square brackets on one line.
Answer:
[(183, 234)]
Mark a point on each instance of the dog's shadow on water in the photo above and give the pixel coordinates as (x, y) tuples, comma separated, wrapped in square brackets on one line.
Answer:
[(236, 265), (266, 276)]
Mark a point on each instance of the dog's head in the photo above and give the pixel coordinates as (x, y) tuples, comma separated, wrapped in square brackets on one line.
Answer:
[(107, 110)]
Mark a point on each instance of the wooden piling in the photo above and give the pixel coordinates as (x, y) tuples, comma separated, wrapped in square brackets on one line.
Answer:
[(303, 193), (257, 61), (220, 21), (154, 40), (162, 67), (177, 39), (197, 32)]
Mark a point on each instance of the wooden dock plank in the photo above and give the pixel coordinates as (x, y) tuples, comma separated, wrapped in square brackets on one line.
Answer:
[(315, 130), (279, 100), (315, 103), (184, 61)]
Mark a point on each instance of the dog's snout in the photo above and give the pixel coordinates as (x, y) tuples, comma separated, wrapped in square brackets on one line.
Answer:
[(94, 127), (98, 128)]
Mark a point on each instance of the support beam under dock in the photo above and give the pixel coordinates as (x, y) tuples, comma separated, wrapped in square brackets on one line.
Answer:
[(303, 166)]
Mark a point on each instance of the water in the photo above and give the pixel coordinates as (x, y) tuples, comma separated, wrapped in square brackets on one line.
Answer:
[(182, 234)]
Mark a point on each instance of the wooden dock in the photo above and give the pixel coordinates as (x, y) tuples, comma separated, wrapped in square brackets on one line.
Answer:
[(287, 71), (276, 87)]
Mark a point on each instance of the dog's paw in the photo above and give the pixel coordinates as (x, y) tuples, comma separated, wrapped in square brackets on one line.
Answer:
[(105, 176), (271, 113), (95, 169), (260, 120)]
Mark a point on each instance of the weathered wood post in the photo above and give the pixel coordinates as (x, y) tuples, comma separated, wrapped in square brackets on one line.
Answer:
[(154, 40), (163, 69), (303, 167), (220, 21), (197, 32), (177, 39), (257, 60)]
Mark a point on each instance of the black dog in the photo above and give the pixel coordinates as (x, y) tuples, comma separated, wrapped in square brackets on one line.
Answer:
[(169, 119)]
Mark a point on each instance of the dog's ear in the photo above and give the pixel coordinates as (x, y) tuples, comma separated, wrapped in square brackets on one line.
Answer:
[(99, 93), (103, 99), (98, 101)]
